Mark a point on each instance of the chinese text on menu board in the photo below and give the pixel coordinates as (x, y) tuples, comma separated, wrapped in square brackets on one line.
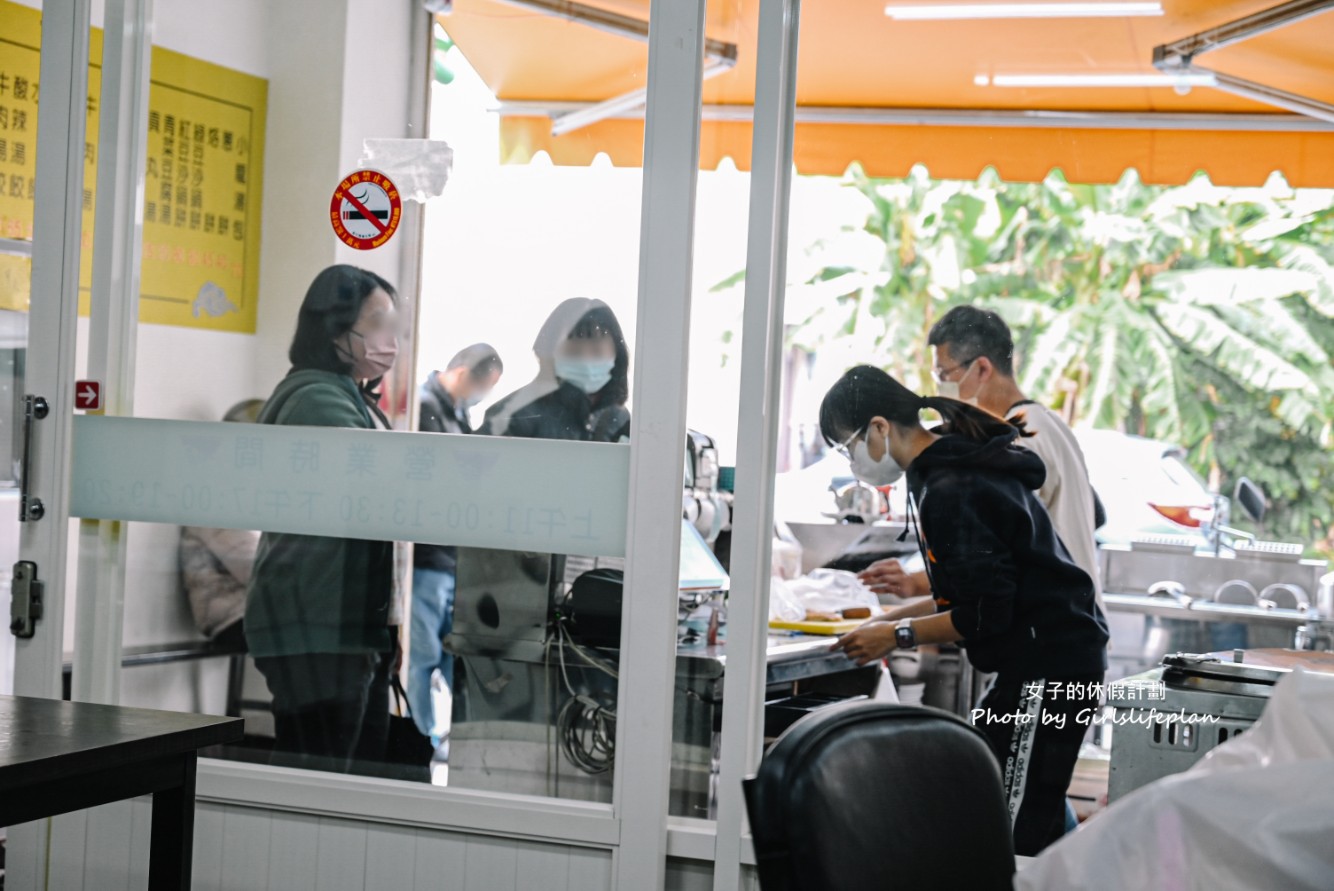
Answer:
[(202, 186)]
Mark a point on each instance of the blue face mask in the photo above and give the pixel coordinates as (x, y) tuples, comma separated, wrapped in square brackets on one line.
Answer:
[(589, 375)]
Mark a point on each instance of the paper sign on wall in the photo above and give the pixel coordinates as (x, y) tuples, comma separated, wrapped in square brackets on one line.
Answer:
[(202, 187)]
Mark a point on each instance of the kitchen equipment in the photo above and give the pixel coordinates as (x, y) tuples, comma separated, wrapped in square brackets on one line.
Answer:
[(1165, 544), (1325, 595), (1238, 592), (594, 607), (1273, 551), (1168, 718), (1220, 606), (1170, 590), (1286, 596)]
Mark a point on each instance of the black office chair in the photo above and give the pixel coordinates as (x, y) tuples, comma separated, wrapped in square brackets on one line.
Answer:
[(880, 795)]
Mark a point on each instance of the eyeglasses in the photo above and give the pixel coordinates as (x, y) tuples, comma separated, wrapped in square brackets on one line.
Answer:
[(844, 448), (943, 374)]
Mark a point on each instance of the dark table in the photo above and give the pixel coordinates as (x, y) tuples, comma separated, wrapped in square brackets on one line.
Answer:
[(57, 757)]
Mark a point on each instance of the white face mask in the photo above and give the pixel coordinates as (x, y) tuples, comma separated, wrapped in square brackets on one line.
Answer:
[(884, 472), (950, 389), (589, 375)]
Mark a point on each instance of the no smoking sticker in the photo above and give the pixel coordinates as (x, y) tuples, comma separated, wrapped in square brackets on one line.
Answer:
[(365, 210)]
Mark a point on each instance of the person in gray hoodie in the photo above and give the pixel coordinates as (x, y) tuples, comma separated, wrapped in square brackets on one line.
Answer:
[(582, 382), (318, 613)]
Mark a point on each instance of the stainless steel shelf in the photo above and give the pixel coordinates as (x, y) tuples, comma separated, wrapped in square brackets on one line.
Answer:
[(1204, 611)]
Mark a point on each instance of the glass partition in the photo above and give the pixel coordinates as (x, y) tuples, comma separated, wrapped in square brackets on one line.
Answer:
[(347, 563), (526, 326), (402, 555)]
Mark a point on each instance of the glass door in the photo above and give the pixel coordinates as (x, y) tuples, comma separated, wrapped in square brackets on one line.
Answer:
[(265, 434)]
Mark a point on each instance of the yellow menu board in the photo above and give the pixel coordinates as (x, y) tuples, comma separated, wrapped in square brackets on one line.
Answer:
[(202, 186)]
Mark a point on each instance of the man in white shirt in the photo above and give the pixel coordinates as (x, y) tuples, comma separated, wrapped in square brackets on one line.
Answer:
[(974, 361)]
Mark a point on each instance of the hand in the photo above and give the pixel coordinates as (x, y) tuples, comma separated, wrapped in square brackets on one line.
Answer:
[(872, 641), (888, 577)]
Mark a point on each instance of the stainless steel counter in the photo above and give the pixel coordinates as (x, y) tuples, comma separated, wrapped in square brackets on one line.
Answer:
[(1204, 611), (788, 658)]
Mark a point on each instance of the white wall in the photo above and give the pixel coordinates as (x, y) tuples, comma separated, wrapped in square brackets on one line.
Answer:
[(251, 849)]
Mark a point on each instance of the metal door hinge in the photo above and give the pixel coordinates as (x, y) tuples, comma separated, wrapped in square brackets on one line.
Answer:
[(30, 506), (25, 606)]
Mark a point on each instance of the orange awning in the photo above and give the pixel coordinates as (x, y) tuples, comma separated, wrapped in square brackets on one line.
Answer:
[(854, 61)]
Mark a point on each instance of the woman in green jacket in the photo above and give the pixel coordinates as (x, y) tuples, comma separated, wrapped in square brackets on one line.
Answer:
[(317, 615)]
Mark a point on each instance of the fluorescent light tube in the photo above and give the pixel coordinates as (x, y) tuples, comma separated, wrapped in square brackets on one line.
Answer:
[(1194, 79), (935, 12)]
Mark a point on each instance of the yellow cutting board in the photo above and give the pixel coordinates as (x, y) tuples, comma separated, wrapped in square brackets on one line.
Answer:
[(842, 627)]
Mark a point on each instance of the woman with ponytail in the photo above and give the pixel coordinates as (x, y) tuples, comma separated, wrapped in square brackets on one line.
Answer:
[(1003, 586)]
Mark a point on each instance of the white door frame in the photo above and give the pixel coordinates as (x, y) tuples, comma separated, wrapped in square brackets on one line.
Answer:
[(757, 426), (57, 221), (113, 324), (52, 318)]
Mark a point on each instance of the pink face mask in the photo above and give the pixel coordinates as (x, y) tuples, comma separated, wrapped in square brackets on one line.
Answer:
[(378, 352)]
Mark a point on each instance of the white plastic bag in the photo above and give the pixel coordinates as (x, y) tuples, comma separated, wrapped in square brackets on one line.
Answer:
[(784, 605), (785, 560), (833, 590), (1256, 812)]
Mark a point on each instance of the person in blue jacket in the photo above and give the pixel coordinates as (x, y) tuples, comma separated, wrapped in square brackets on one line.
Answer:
[(446, 396), (1003, 585)]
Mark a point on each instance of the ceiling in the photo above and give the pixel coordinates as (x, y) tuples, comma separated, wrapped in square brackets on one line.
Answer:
[(854, 59)]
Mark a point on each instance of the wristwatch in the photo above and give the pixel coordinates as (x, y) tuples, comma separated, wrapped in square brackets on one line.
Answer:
[(904, 637)]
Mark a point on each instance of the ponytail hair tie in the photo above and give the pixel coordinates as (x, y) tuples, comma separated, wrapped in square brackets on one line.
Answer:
[(922, 403)]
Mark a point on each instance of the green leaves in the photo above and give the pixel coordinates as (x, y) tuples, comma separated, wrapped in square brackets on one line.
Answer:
[(1215, 286), (442, 72), (1196, 314)]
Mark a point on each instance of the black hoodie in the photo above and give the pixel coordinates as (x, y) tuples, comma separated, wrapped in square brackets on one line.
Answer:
[(1023, 606)]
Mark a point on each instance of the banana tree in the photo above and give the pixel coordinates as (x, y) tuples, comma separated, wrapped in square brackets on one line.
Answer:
[(1197, 314)]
